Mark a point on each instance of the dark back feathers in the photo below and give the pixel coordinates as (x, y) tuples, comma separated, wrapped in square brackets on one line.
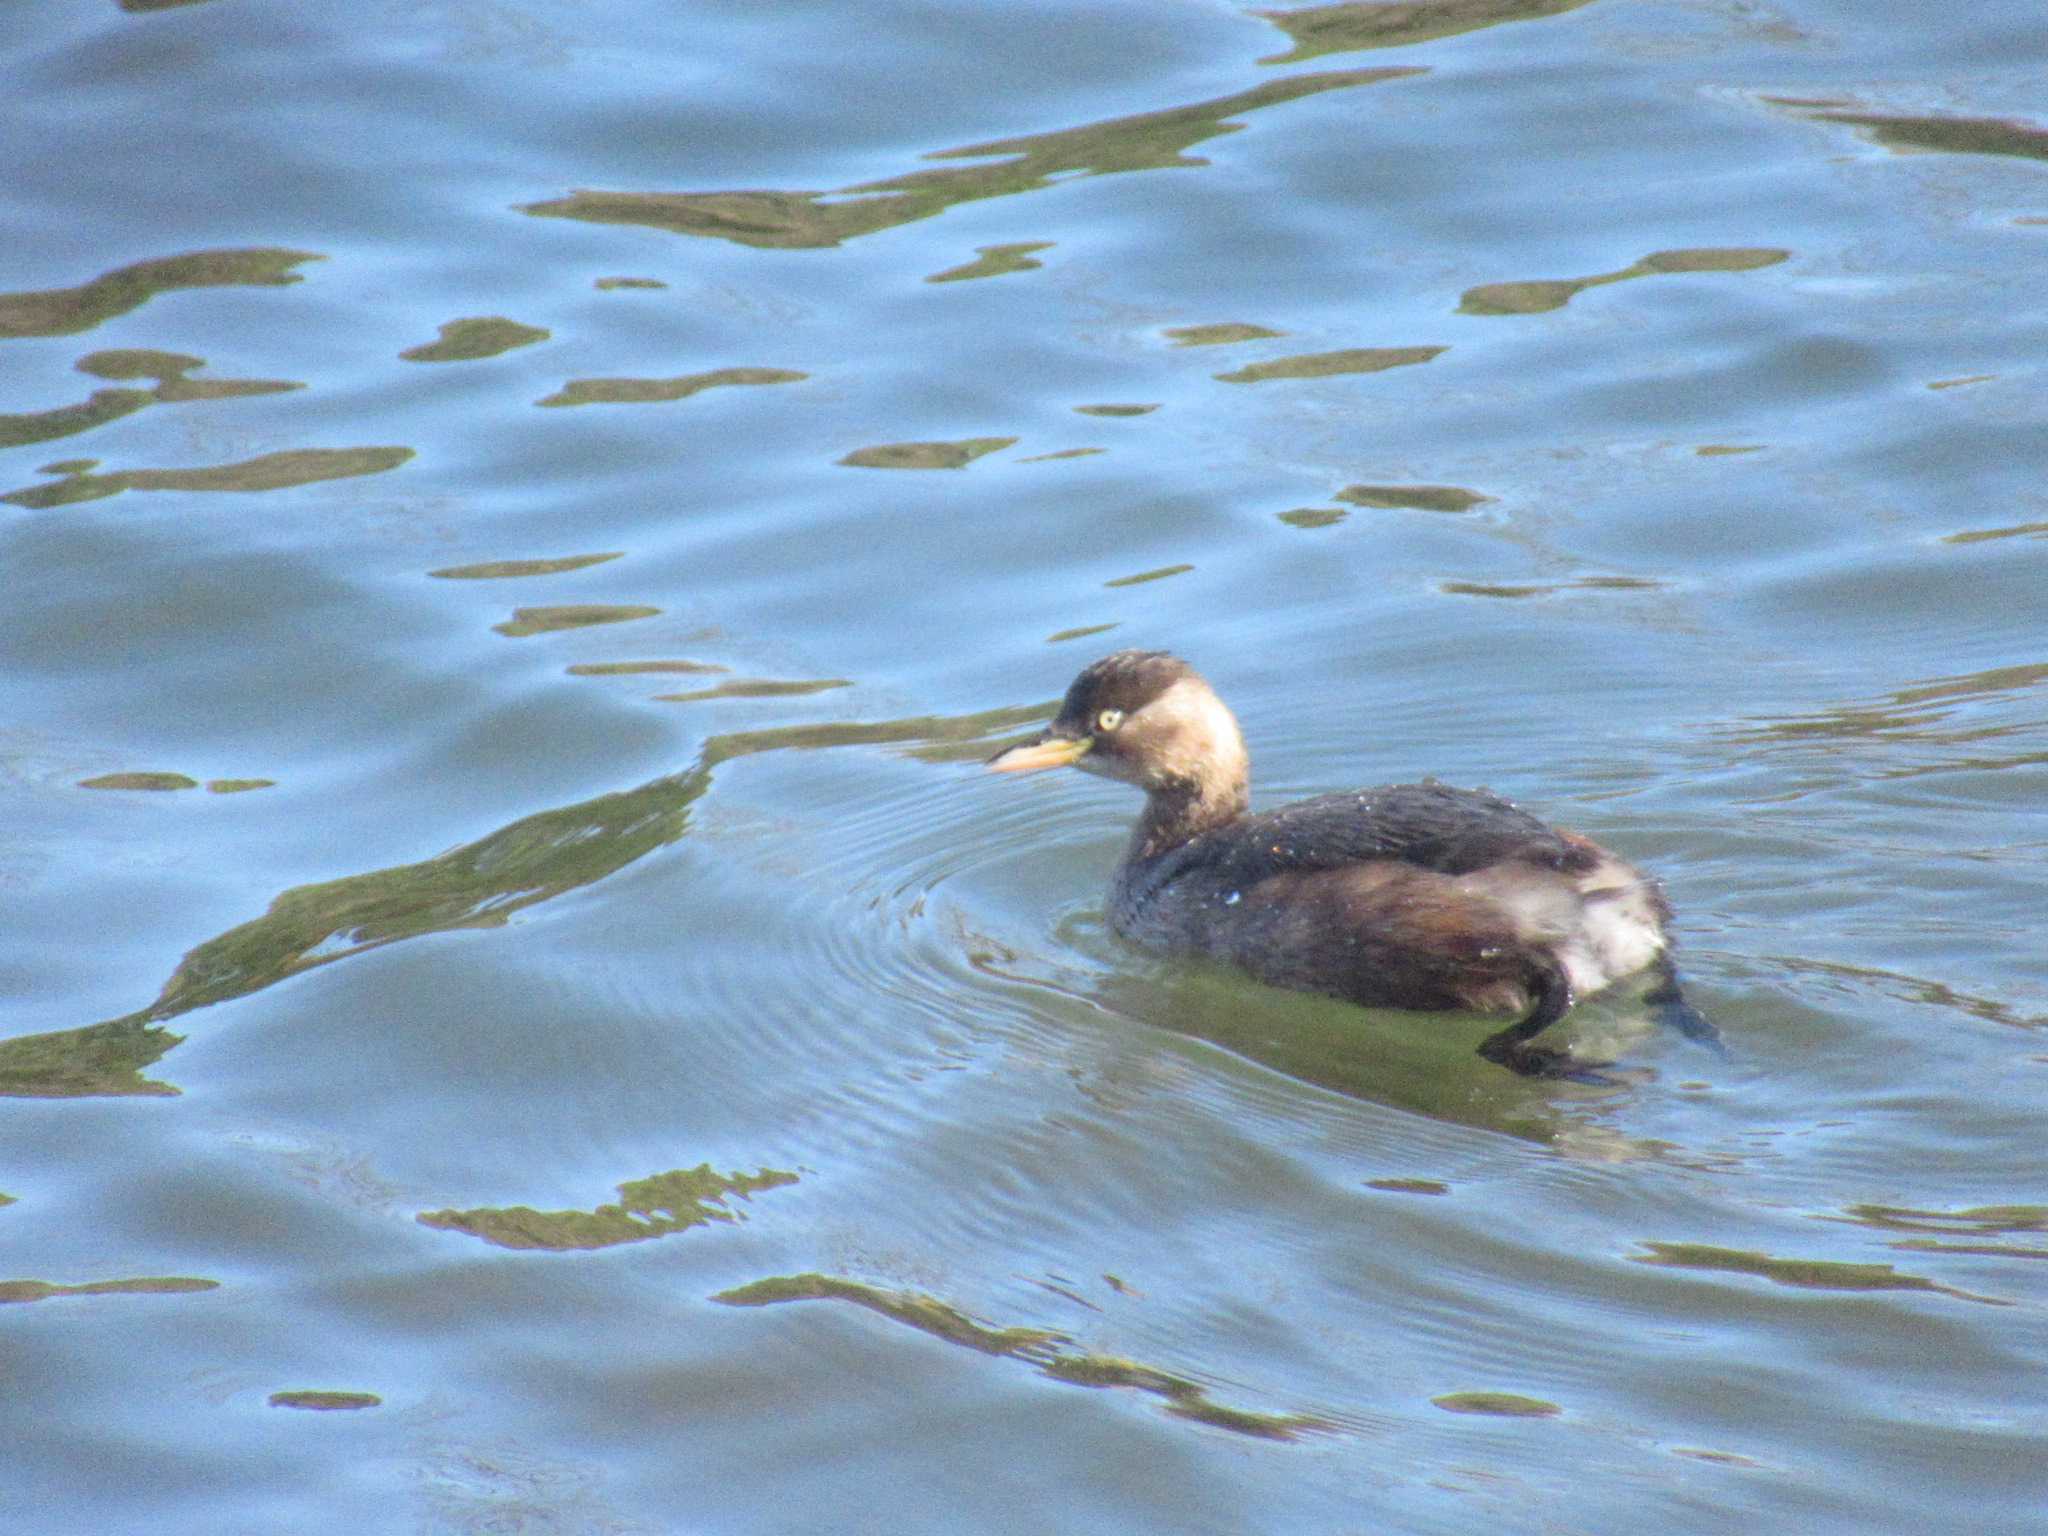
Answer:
[(1431, 826)]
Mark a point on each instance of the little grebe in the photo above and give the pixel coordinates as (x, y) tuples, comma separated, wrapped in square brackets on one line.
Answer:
[(1413, 896)]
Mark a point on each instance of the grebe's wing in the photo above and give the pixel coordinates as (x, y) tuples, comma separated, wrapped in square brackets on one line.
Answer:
[(1428, 825)]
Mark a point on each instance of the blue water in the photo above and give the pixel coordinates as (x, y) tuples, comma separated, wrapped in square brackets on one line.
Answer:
[(519, 1011)]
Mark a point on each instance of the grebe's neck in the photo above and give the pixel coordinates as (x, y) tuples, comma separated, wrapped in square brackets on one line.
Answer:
[(1182, 810), (1196, 779)]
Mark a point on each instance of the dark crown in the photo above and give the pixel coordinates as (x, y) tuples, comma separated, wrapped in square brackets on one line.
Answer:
[(1125, 680)]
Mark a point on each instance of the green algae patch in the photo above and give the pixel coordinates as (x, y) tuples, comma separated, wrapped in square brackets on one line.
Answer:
[(757, 688), (473, 339), (1718, 1458), (1063, 453), (814, 219), (1313, 517), (1508, 1405), (1948, 135), (927, 1314), (326, 1402), (1515, 590), (65, 311), (1535, 296), (1528, 296), (266, 472), (1184, 1399), (637, 668), (551, 620), (614, 284), (953, 455), (157, 782), (20, 429), (504, 570), (1115, 410), (92, 1061), (152, 1285), (1419, 498), (1362, 24), (995, 261), (1048, 1350), (1741, 258), (161, 783), (660, 391), (1973, 1220), (1142, 577), (169, 370), (1982, 535), (1494, 589), (1222, 335), (1799, 1274), (647, 1208), (1409, 1186), (1324, 365)]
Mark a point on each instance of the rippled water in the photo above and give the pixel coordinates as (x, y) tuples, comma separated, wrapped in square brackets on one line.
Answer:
[(520, 1013)]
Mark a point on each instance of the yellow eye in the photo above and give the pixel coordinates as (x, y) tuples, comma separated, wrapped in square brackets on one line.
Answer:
[(1109, 720)]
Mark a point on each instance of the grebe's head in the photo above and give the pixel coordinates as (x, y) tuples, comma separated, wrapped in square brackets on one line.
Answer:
[(1144, 717)]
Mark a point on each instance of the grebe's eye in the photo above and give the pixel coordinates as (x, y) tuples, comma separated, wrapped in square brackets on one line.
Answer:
[(1109, 720)]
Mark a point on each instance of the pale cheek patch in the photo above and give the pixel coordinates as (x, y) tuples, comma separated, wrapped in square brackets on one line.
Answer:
[(1193, 737)]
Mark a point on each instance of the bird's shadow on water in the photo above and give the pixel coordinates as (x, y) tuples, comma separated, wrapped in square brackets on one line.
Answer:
[(1423, 1063)]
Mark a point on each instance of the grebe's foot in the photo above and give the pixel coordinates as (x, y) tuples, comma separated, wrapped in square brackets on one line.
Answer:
[(1670, 1009), (1515, 1047), (1532, 1060), (1695, 1026)]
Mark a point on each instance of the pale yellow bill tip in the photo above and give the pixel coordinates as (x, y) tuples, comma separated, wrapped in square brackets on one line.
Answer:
[(1053, 752)]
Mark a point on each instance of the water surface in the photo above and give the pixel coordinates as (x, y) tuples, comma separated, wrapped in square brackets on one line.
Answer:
[(520, 1011)]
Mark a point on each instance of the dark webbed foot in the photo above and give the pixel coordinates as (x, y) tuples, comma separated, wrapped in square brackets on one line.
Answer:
[(1669, 1007), (1513, 1047), (1559, 1065)]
